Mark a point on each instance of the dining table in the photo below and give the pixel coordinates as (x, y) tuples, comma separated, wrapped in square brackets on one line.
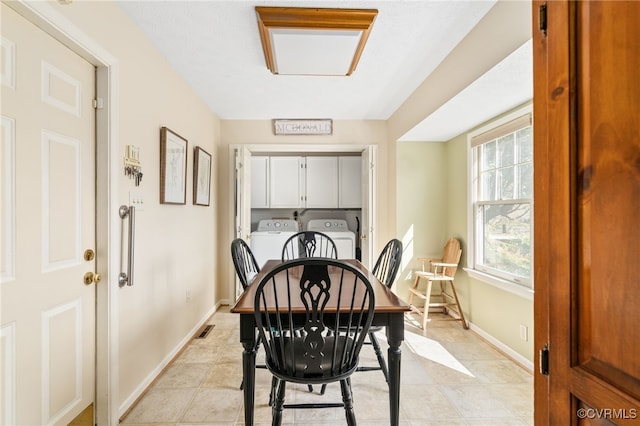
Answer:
[(388, 312)]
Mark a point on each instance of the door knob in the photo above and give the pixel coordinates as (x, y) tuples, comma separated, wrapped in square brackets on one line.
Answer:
[(91, 278)]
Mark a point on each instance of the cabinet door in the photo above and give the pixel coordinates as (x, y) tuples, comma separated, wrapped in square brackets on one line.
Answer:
[(322, 182), (259, 182), (350, 192), (286, 182)]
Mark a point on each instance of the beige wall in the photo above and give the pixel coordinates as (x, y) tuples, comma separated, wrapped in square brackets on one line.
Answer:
[(259, 132), (175, 249)]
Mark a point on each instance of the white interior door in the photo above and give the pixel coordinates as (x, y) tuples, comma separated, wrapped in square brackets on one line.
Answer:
[(243, 185), (48, 221), (367, 233), (243, 201)]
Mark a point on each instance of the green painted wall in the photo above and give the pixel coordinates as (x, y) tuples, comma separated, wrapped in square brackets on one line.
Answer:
[(421, 184), (432, 206)]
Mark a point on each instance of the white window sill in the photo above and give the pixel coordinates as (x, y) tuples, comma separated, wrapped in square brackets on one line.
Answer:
[(518, 290)]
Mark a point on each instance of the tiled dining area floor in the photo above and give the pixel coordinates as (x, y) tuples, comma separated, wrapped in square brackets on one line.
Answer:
[(450, 376)]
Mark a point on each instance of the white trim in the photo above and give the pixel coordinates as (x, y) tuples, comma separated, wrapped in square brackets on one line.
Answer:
[(155, 373), (45, 16), (508, 286), (49, 71), (9, 65), (9, 202), (526, 109), (271, 148), (48, 139), (8, 337), (47, 316), (471, 223), (515, 356)]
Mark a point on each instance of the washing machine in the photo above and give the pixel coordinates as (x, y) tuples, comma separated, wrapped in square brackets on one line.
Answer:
[(338, 231), (269, 237)]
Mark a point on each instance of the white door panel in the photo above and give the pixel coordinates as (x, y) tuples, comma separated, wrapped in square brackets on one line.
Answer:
[(48, 313), (368, 234), (242, 158)]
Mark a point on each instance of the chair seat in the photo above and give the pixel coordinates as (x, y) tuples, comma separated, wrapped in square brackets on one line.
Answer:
[(312, 372), (433, 277)]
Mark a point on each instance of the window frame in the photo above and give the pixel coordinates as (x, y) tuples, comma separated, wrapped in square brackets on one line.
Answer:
[(502, 279)]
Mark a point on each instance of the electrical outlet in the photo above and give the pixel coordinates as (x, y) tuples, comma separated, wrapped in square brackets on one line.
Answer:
[(524, 332)]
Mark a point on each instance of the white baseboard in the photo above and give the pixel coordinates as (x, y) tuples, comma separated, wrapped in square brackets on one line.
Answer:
[(515, 356), (144, 385)]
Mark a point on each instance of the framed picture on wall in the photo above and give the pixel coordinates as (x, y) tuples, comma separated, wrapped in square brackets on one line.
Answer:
[(201, 177), (173, 167)]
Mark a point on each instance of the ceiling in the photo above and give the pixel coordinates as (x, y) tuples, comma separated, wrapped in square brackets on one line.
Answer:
[(215, 46)]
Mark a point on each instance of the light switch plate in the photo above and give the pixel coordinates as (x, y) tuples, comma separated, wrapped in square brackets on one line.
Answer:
[(136, 200)]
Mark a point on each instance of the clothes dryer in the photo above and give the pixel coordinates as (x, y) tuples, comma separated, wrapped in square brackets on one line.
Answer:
[(338, 231)]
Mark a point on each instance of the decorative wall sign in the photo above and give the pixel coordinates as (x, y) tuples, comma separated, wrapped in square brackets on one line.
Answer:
[(173, 167), (303, 127)]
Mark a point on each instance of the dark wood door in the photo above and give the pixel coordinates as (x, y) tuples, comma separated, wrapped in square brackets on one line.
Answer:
[(587, 210)]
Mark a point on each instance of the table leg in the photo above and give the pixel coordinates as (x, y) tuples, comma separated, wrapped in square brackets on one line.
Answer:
[(248, 340), (395, 336)]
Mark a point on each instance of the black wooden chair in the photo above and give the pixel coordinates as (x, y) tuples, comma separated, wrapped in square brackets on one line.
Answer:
[(247, 268), (244, 262), (334, 303), (385, 269), (309, 244)]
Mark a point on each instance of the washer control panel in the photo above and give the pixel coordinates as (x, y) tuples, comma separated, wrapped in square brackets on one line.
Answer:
[(278, 225)]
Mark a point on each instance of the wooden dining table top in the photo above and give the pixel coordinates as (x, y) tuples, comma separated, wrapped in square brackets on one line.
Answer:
[(385, 300)]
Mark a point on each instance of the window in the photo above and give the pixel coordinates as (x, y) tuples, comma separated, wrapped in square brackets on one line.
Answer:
[(502, 199)]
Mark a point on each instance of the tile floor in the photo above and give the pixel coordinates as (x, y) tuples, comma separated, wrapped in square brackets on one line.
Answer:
[(449, 377)]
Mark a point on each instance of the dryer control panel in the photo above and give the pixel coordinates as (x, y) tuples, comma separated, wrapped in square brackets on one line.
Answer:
[(327, 225)]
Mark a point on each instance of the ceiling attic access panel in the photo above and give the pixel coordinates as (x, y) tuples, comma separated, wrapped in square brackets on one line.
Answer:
[(313, 41)]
